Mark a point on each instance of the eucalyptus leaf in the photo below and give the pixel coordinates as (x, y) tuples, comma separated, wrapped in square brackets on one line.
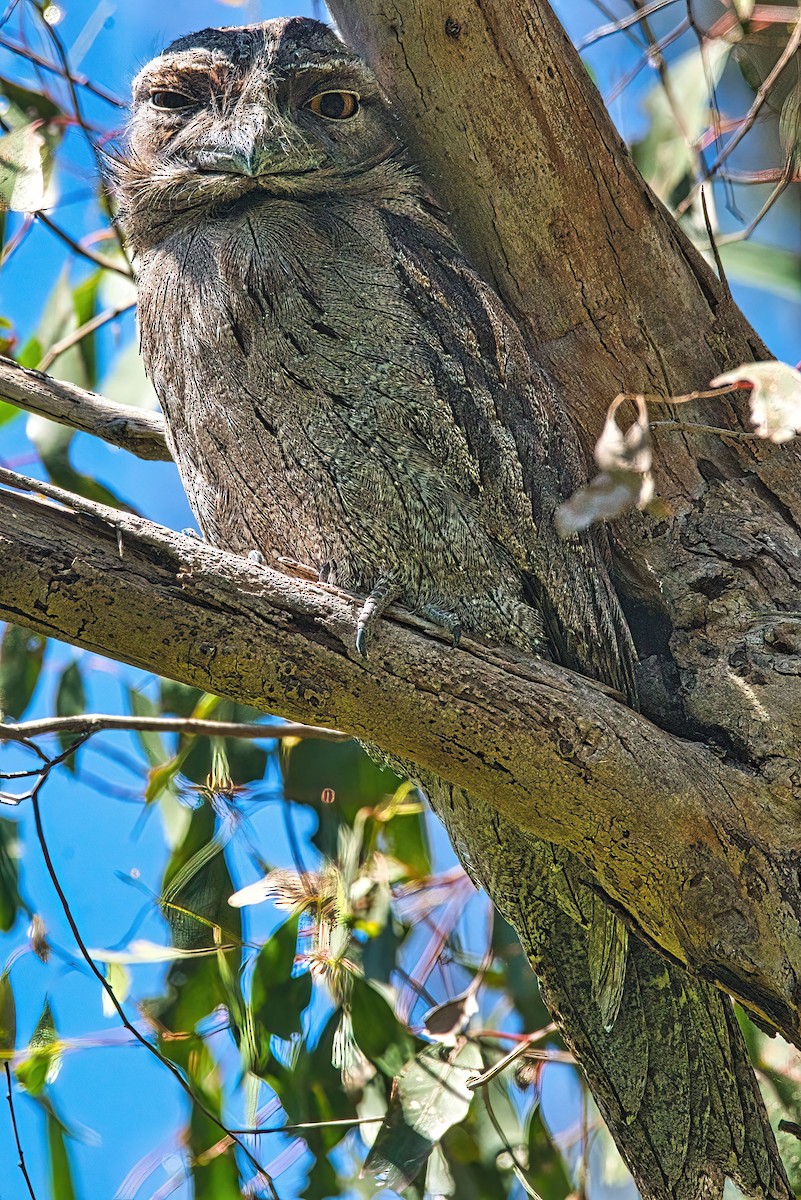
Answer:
[(61, 1183), (21, 657), (430, 1096), (8, 1017), (10, 900)]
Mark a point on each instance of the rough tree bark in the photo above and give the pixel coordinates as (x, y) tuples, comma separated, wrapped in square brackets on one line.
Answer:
[(688, 822)]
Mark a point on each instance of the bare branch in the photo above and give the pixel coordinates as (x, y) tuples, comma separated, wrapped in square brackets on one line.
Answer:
[(99, 260), (77, 335), (174, 1070), (91, 723), (20, 1154), (140, 432), (74, 76)]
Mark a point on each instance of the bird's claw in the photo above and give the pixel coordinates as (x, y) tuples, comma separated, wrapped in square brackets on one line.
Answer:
[(446, 620), (256, 556), (379, 599)]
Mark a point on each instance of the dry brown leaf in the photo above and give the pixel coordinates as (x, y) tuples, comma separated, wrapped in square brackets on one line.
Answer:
[(625, 479), (775, 399)]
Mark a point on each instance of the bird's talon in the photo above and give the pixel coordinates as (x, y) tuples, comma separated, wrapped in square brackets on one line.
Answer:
[(379, 599), (256, 556), (445, 620)]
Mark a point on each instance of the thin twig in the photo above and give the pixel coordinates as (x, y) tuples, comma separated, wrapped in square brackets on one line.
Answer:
[(61, 53), (523, 1048), (308, 1125), (694, 427), (107, 988), (793, 42), (517, 1166), (100, 260), (21, 1164), (622, 23), (43, 772), (77, 335), (90, 723), (710, 233), (24, 483), (79, 80), (625, 80)]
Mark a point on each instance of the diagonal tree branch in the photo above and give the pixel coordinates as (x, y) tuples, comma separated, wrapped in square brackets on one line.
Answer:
[(120, 424), (699, 854)]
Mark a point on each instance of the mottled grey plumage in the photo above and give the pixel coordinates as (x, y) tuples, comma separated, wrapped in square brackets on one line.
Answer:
[(341, 388), (359, 398)]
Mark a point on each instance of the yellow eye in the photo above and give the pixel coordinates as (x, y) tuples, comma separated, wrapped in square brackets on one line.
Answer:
[(335, 106), (169, 100)]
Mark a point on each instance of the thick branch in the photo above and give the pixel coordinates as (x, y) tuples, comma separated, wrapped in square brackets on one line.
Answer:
[(701, 855), (120, 424)]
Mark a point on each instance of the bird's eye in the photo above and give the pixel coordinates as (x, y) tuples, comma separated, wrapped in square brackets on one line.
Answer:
[(169, 100), (335, 106)]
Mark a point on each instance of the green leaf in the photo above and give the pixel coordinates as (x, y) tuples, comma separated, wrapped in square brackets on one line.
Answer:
[(195, 888), (666, 155), (178, 698), (21, 657), (10, 900), (758, 265), (404, 837), (43, 1062), (152, 743), (430, 1096), (546, 1169), (8, 1017), (338, 770), (215, 1177), (70, 702), (378, 1032), (61, 1185), (118, 977), (66, 308), (278, 999), (126, 382), (25, 104), (276, 959), (311, 1090), (8, 411), (25, 169), (26, 151)]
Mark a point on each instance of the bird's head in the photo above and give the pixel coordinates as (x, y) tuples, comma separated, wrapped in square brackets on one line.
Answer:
[(281, 108)]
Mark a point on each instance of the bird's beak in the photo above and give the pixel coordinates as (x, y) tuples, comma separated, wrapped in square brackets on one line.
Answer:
[(222, 162)]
